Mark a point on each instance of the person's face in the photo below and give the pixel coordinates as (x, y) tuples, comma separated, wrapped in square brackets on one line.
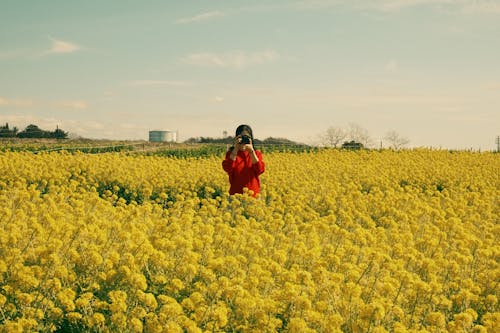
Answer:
[(239, 137), (244, 133)]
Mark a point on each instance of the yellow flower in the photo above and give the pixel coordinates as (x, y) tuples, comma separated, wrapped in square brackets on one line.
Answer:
[(118, 301), (358, 241), (119, 320), (147, 299), (138, 281), (436, 319), (491, 321), (55, 313), (66, 298), (298, 325), (97, 320), (135, 325), (74, 317), (3, 266)]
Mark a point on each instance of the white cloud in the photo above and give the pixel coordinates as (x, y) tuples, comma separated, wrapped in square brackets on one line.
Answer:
[(492, 86), (470, 6), (237, 59), (29, 103), (382, 5), (218, 99), (14, 54), (132, 126), (57, 47), (60, 46), (481, 6), (17, 103), (392, 66), (318, 4), (75, 104), (16, 120), (22, 120), (200, 17), (88, 129), (366, 99), (392, 5), (93, 125), (158, 83)]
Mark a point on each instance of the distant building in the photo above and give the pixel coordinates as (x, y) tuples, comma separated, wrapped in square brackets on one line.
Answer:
[(163, 136)]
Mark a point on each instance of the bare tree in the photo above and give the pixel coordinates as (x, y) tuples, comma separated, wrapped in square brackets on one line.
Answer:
[(359, 134), (395, 140), (333, 136)]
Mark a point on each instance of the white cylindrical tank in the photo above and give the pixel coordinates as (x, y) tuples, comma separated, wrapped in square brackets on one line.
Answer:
[(170, 136), (163, 136)]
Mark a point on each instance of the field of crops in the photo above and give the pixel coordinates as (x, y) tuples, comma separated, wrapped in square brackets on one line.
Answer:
[(166, 149), (339, 241)]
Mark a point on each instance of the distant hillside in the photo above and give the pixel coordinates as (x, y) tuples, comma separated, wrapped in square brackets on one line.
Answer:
[(229, 140)]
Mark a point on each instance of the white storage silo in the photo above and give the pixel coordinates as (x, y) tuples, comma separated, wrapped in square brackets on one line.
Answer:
[(162, 136)]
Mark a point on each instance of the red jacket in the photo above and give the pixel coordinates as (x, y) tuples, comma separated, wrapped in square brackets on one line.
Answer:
[(242, 172)]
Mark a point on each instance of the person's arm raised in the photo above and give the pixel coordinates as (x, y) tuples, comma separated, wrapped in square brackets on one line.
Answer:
[(253, 155)]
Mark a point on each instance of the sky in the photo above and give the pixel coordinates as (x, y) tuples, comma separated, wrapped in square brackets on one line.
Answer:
[(427, 69)]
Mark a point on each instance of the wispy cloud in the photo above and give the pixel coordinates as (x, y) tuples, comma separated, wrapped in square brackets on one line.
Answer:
[(470, 6), (318, 4), (394, 5), (14, 54), (481, 6), (200, 17), (17, 103), (73, 105), (140, 83), (61, 46), (493, 86), (365, 98), (392, 66), (132, 126), (30, 103), (383, 5), (94, 125), (237, 59), (22, 120), (57, 47)]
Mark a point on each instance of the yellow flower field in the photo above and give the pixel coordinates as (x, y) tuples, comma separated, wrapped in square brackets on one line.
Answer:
[(369, 241)]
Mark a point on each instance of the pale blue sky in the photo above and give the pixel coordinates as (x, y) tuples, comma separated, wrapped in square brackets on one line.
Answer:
[(428, 69)]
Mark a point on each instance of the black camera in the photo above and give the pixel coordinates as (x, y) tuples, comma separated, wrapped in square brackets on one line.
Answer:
[(245, 139)]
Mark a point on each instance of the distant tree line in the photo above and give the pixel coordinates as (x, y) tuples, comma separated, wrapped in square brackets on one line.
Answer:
[(229, 140), (356, 137), (31, 131)]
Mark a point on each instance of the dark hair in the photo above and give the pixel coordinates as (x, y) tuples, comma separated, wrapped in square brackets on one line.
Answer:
[(242, 128)]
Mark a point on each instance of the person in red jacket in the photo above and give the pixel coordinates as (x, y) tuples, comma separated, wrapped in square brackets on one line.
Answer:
[(243, 163)]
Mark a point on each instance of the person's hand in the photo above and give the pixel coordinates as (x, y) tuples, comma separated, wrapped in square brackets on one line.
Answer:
[(237, 147), (243, 146), (237, 143), (247, 147)]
